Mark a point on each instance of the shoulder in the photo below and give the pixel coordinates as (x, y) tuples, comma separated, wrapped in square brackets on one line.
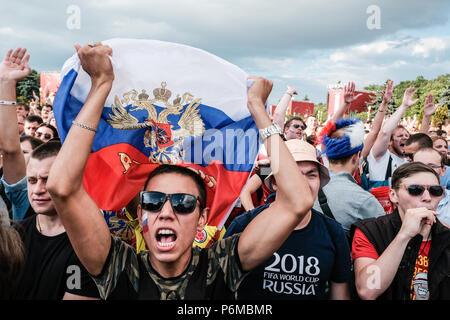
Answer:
[(334, 226), (26, 224), (239, 223), (372, 225)]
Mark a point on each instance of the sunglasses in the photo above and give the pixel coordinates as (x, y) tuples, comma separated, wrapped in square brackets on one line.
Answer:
[(182, 203), (296, 126), (417, 190), (44, 135)]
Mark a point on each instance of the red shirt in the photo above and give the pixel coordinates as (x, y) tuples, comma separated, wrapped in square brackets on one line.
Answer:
[(362, 248)]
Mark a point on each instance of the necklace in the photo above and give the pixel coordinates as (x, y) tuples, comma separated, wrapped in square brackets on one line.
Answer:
[(426, 243)]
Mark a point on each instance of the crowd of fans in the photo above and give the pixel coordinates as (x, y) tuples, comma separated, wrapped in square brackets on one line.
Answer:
[(354, 210)]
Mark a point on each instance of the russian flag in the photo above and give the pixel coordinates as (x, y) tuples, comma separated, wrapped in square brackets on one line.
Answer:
[(169, 103)]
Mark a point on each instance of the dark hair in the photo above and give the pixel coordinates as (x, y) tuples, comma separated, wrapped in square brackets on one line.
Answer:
[(55, 132), (34, 118), (23, 104), (48, 105), (35, 142), (46, 150), (443, 157), (408, 169), (287, 124), (168, 168), (11, 259), (422, 139)]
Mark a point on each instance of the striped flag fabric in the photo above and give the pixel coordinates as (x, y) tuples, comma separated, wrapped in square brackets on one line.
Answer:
[(169, 103)]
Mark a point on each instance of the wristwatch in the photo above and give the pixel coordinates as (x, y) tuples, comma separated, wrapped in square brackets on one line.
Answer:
[(270, 130)]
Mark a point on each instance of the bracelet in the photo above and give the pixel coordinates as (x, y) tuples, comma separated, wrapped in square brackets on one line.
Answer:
[(289, 94), (8, 103), (82, 125)]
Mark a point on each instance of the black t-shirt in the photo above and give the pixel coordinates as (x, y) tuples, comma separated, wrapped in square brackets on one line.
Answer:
[(301, 268), (51, 267)]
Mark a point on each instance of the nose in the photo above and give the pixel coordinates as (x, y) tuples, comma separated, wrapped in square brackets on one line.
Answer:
[(426, 197), (40, 187), (166, 211)]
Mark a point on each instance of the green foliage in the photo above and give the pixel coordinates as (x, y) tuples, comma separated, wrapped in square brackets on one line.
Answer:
[(25, 87), (321, 112), (439, 87), (437, 120)]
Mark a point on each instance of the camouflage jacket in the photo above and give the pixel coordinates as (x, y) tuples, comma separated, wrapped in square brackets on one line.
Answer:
[(213, 273)]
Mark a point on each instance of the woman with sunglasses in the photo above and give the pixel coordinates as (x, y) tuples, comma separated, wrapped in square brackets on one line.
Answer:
[(405, 255), (46, 132), (172, 209)]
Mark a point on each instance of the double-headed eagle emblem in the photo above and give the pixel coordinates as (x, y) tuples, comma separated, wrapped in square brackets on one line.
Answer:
[(165, 135)]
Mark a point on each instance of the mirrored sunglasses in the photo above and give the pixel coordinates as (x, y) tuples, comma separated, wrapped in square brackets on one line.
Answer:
[(182, 203)]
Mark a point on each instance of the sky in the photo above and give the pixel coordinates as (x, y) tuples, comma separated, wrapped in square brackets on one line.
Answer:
[(309, 45)]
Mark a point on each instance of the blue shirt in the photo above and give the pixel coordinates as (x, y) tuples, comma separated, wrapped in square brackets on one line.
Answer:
[(444, 208), (445, 180), (17, 193)]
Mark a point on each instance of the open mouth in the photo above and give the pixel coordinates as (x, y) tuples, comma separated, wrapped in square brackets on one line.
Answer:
[(166, 238)]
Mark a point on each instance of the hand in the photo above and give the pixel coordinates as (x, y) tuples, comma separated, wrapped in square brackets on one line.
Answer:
[(387, 95), (14, 66), (408, 97), (429, 107), (259, 91), (349, 93), (95, 61), (415, 220), (291, 90)]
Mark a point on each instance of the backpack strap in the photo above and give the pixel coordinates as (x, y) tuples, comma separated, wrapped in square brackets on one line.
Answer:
[(389, 169), (323, 201)]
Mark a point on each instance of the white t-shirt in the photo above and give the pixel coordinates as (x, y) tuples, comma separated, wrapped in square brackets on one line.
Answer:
[(377, 169)]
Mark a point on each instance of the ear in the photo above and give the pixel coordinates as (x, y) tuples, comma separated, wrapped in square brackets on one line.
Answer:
[(355, 157), (202, 219), (393, 196)]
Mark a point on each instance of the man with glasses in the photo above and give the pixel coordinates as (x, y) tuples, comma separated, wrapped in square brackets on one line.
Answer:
[(294, 129), (172, 209), (434, 159), (405, 255)]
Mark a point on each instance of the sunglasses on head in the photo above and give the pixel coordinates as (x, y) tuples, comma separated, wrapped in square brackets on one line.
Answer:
[(296, 126), (44, 135), (182, 203), (417, 190)]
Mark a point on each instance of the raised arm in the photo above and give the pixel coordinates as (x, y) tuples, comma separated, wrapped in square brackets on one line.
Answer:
[(84, 224), (349, 98), (13, 68), (251, 187), (267, 232), (381, 144), (280, 111), (429, 109), (378, 120)]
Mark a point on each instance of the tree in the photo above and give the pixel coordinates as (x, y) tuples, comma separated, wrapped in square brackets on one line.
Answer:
[(444, 98), (25, 87)]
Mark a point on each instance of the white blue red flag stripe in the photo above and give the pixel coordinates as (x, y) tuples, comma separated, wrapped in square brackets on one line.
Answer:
[(169, 103)]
